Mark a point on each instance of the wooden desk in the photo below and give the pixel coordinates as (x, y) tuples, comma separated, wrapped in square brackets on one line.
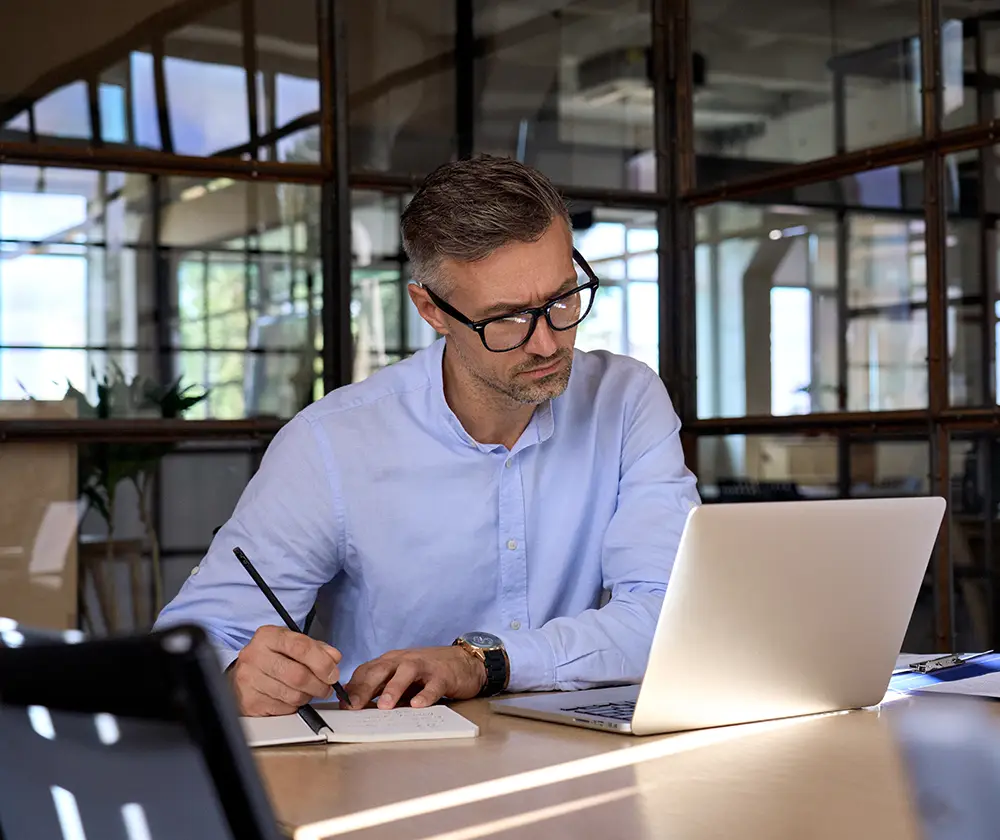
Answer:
[(832, 776)]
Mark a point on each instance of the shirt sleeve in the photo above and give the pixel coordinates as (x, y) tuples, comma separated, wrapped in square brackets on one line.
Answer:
[(287, 523), (656, 492)]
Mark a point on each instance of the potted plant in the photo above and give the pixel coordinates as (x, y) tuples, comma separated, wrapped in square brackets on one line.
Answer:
[(104, 467)]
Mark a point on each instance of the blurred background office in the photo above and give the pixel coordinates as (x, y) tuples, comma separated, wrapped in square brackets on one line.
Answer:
[(793, 208)]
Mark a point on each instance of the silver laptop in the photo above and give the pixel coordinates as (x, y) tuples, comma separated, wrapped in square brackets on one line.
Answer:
[(773, 610)]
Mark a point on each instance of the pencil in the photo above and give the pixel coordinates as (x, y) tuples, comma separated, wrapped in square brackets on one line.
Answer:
[(280, 609)]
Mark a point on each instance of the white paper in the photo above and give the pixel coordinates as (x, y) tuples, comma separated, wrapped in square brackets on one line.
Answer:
[(278, 729), (985, 685), (402, 724)]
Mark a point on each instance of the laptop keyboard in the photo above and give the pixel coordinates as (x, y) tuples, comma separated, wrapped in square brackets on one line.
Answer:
[(623, 710)]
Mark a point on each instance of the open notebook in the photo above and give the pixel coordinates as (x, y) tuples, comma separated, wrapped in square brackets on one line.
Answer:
[(359, 726)]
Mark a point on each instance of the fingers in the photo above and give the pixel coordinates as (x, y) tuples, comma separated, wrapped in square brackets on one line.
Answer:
[(406, 674), (258, 694), (293, 675), (431, 693), (260, 705), (422, 676), (335, 655), (287, 668), (282, 693), (321, 659), (368, 680)]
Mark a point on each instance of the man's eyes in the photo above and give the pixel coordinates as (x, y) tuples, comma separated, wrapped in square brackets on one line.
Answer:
[(521, 317)]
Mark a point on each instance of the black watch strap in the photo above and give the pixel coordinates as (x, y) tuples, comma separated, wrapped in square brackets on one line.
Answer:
[(496, 672)]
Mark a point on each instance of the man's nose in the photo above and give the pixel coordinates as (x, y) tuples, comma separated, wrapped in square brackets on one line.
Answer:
[(543, 340)]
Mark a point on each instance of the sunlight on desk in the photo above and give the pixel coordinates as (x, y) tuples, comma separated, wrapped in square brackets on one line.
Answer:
[(642, 751)]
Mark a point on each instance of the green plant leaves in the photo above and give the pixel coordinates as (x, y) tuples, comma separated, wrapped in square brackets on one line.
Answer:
[(103, 466)]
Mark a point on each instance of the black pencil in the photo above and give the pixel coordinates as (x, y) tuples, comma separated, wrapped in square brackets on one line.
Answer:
[(280, 609)]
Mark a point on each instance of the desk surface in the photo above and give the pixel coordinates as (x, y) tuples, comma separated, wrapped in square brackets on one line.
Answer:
[(833, 776)]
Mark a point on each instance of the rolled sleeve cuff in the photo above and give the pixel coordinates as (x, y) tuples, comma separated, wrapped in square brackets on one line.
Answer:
[(532, 662)]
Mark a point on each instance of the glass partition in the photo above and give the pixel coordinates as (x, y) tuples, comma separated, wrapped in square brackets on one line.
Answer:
[(814, 304), (775, 87)]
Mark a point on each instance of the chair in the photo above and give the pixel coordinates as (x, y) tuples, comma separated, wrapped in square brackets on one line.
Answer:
[(123, 738)]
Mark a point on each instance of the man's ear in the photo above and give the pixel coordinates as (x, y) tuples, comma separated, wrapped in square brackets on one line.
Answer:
[(428, 311)]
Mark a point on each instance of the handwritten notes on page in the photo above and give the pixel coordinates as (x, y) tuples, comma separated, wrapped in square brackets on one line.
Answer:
[(360, 726), (402, 724)]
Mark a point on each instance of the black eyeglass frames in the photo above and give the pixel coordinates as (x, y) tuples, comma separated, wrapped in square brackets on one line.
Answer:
[(503, 333)]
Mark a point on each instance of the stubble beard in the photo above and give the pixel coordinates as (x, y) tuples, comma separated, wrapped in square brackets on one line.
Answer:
[(533, 392)]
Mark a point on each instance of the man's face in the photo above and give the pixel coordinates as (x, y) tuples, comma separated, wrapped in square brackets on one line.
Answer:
[(514, 277)]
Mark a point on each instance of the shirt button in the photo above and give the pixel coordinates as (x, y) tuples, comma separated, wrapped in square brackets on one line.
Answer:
[(195, 570), (511, 544), (508, 462), (515, 625)]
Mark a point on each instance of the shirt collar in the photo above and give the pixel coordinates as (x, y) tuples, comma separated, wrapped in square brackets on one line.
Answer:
[(435, 360), (539, 428)]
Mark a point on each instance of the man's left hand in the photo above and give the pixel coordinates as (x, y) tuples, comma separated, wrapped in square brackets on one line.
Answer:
[(437, 672)]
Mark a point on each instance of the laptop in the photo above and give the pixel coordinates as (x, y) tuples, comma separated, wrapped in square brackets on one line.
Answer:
[(125, 738), (773, 610)]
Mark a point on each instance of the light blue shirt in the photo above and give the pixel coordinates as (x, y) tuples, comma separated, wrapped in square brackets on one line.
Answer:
[(375, 504)]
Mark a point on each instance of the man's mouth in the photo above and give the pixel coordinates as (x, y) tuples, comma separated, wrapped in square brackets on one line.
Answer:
[(552, 367)]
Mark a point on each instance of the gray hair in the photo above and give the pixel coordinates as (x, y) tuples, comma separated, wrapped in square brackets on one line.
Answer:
[(467, 209)]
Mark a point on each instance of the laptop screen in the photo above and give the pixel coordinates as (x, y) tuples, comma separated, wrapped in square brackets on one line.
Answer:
[(123, 739)]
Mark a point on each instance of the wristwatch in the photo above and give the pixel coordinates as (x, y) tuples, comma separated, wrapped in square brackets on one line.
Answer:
[(490, 651)]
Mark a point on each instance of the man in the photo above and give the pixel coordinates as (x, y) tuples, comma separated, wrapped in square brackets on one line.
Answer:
[(456, 516)]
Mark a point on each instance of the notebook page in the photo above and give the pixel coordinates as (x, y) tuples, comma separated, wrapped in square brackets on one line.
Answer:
[(984, 685), (402, 724), (278, 729)]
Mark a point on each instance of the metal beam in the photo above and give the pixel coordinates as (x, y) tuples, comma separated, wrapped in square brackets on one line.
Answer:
[(138, 430), (665, 155), (955, 419), (94, 110), (909, 424), (987, 263), (271, 136), (682, 179), (248, 21), (162, 283), (156, 163), (608, 197), (335, 202), (839, 166), (810, 423), (937, 296), (465, 89), (162, 97)]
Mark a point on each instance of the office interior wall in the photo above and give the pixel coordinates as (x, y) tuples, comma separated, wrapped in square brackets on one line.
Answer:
[(209, 265)]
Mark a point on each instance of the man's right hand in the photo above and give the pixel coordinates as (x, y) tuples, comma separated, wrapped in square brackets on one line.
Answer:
[(280, 670)]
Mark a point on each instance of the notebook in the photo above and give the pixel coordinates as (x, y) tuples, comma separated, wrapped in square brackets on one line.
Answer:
[(359, 726)]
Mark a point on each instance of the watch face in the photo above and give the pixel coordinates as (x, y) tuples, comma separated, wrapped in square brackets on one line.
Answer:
[(482, 640)]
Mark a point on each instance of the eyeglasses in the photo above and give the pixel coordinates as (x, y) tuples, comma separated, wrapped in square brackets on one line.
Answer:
[(503, 333)]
